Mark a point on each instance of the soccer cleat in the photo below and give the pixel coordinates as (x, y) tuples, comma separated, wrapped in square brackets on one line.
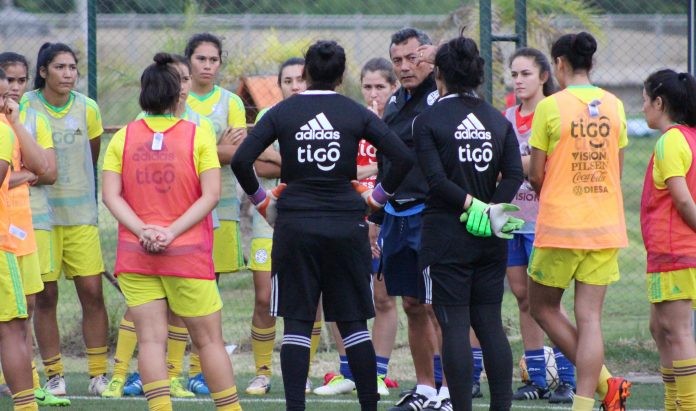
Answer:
[(336, 385), (259, 385), (410, 402), (114, 389), (177, 390), (530, 391), (308, 386), (197, 385), (618, 393), (438, 404), (98, 384), (382, 389), (134, 385), (55, 385), (563, 394), (407, 391), (476, 390), (46, 399)]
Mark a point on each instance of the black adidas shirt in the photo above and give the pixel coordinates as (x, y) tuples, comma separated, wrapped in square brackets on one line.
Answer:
[(319, 133), (399, 113), (463, 144)]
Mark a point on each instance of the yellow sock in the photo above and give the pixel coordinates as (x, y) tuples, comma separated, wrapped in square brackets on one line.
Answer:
[(226, 400), (685, 379), (177, 337), (97, 360), (262, 342), (53, 366), (314, 343), (670, 388), (194, 365), (25, 401), (35, 376), (582, 403), (157, 394), (125, 347), (603, 385)]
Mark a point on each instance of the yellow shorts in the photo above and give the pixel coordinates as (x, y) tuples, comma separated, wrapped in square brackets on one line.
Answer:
[(13, 304), (260, 253), (31, 273), (76, 252), (186, 297), (672, 286), (557, 267), (227, 248), (44, 245)]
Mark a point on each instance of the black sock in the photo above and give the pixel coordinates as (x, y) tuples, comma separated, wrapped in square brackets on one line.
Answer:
[(497, 356), (362, 362), (456, 353), (294, 362)]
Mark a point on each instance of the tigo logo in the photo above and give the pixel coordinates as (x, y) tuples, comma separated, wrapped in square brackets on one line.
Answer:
[(472, 129), (318, 128)]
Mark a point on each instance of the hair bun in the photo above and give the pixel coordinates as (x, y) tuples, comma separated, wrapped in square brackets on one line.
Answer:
[(585, 44), (326, 49), (162, 59)]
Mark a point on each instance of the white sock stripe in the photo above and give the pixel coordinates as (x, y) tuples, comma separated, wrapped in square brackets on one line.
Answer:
[(535, 357), (357, 338), (300, 340)]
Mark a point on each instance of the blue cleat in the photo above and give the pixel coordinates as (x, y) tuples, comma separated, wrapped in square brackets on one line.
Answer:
[(133, 386), (197, 385)]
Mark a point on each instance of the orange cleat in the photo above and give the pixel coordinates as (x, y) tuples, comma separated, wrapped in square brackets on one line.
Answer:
[(619, 391)]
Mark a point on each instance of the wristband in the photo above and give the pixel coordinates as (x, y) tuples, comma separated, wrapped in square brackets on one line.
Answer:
[(258, 196)]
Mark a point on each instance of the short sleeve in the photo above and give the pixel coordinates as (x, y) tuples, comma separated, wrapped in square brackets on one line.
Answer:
[(237, 114), (205, 146), (113, 159), (540, 137), (623, 134), (673, 157), (94, 120), (44, 134), (7, 139)]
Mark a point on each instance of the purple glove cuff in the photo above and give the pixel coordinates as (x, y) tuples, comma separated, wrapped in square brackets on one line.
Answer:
[(379, 195), (258, 196)]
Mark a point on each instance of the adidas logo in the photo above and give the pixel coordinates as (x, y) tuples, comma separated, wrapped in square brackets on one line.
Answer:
[(472, 129), (318, 128)]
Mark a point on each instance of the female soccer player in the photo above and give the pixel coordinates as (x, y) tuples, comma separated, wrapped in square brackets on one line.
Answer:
[(531, 76), (377, 83), (29, 204), (14, 353), (577, 141), (76, 125), (463, 145), (320, 237), (165, 233), (668, 221), (177, 337)]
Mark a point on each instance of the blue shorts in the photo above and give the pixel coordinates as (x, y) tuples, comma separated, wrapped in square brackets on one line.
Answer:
[(401, 238), (520, 249)]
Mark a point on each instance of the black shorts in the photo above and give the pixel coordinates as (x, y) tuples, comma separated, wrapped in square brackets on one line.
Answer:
[(322, 256), (458, 268), (401, 241)]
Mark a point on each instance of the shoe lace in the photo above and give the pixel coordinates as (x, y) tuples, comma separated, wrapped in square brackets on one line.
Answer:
[(53, 383), (258, 381), (132, 378)]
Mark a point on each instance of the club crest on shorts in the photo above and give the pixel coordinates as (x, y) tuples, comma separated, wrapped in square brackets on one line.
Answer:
[(261, 256)]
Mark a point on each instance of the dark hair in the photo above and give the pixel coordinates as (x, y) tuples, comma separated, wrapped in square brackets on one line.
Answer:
[(199, 38), (540, 61), (381, 65), (160, 85), (407, 33), (47, 53), (578, 49), (325, 62), (460, 65), (292, 61), (3, 76), (179, 59), (9, 58), (678, 93)]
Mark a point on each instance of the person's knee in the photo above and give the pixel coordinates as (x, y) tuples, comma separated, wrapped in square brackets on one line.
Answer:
[(262, 303), (413, 307), (48, 298), (384, 303)]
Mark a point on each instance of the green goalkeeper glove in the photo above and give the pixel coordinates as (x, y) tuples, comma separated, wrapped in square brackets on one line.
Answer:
[(476, 218)]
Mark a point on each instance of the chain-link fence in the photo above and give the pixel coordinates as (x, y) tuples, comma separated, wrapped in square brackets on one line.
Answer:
[(635, 38)]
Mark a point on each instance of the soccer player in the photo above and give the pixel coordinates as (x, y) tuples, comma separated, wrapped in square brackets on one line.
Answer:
[(29, 208), (165, 234), (76, 125), (377, 83), (668, 221), (15, 355), (267, 167), (578, 136), (177, 336), (463, 145), (321, 245), (531, 76)]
